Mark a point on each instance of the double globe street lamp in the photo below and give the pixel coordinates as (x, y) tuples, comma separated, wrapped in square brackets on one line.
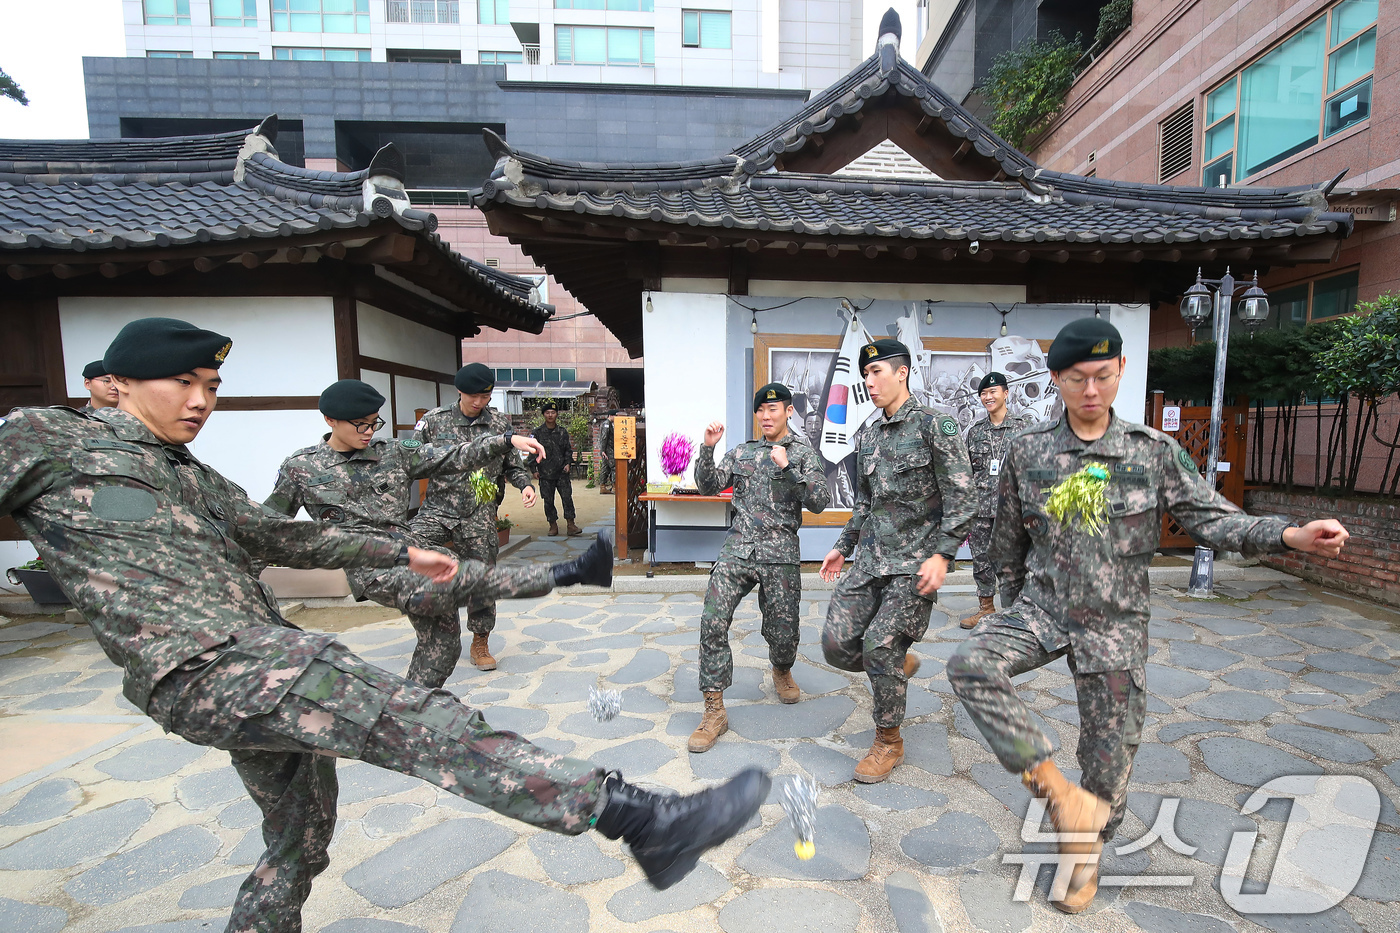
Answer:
[(1197, 305)]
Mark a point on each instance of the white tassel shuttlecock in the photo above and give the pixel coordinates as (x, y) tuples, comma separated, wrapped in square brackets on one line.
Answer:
[(604, 704), (799, 801)]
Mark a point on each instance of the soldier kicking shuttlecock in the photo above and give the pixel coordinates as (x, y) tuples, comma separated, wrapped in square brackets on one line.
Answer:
[(799, 801)]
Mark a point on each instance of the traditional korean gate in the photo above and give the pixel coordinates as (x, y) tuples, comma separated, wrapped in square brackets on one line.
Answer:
[(1194, 437)]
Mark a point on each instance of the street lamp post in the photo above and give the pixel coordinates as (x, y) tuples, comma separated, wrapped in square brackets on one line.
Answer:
[(1195, 308)]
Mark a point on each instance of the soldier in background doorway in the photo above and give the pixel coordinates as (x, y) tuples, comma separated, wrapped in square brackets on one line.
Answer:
[(100, 387), (556, 469), (607, 462)]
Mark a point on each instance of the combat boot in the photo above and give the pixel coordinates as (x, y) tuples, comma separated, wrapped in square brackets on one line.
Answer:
[(985, 607), (594, 565), (713, 724), (885, 755), (554, 529), (911, 664), (785, 686), (481, 655), (1077, 816), (571, 529), (667, 833)]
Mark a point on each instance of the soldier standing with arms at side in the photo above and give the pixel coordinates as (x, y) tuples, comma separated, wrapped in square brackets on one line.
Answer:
[(987, 442), (1070, 591), (607, 464), (914, 500), (774, 480), (100, 386), (450, 512), (156, 550), (555, 470)]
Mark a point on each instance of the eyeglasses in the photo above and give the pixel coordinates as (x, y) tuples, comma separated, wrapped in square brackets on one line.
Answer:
[(367, 427), (1075, 384)]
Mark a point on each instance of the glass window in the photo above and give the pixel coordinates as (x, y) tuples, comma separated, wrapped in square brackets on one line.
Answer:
[(501, 58), (503, 375), (246, 55), (1351, 106), (519, 375), (169, 54), (321, 55), (551, 375), (234, 12), (568, 375), (1335, 296), (1288, 307), (536, 375), (625, 6), (167, 13), (705, 29), (1220, 173), (1351, 16), (604, 45), (1354, 60), (320, 16), (493, 12), (1280, 96), (1221, 101)]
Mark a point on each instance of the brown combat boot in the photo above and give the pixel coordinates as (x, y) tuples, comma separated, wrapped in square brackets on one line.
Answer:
[(481, 655), (573, 529), (713, 724), (885, 753), (985, 607), (786, 687), (553, 529), (911, 664), (1079, 816)]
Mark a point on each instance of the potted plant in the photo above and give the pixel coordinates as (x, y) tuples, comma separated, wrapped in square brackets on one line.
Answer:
[(503, 527), (36, 579)]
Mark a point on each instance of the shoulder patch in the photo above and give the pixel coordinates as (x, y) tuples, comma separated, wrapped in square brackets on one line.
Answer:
[(948, 426), (410, 443), (421, 421), (1187, 461)]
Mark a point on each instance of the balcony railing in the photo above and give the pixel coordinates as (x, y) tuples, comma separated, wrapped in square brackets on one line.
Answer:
[(420, 11), (532, 53)]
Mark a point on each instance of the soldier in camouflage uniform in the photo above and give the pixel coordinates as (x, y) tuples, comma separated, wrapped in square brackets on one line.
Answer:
[(774, 479), (1072, 593), (450, 513), (987, 443), (100, 387), (607, 464), (362, 483), (914, 500), (156, 549), (555, 470)]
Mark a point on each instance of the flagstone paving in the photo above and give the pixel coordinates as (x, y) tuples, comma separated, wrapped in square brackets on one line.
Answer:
[(146, 833)]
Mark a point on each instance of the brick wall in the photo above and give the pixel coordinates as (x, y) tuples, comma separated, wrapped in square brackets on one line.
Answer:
[(1369, 566)]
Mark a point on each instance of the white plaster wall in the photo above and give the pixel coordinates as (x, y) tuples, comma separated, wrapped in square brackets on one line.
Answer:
[(390, 337), (411, 394), (249, 446), (1132, 322), (12, 554), (685, 369), (281, 346), (381, 383)]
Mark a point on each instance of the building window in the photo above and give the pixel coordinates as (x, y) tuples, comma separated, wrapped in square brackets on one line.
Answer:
[(604, 45), (705, 29), (1174, 143), (167, 12), (624, 6), (234, 12), (501, 58), (536, 375), (1314, 84), (503, 375), (1334, 296), (244, 55), (426, 56), (168, 54), (568, 375), (321, 55), (420, 11), (551, 375), (320, 16), (493, 12)]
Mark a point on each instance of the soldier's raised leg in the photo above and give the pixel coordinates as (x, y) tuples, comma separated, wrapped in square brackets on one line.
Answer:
[(730, 582), (1112, 706), (779, 602), (979, 539)]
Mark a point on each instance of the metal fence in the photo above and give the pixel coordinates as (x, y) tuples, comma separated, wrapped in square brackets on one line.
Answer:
[(420, 11)]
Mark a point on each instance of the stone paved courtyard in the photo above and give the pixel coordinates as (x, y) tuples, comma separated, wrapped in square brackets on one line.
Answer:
[(137, 831)]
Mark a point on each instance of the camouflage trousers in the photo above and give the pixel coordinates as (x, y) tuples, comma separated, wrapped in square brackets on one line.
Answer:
[(870, 624), (607, 471), (343, 707), (980, 541), (779, 590), (468, 543), (1112, 705), (432, 607), (565, 487)]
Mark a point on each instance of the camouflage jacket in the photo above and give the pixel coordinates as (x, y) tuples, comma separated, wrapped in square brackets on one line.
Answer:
[(605, 440), (152, 546), (558, 449), (768, 501), (449, 498), (1090, 591), (370, 489), (986, 449), (914, 492)]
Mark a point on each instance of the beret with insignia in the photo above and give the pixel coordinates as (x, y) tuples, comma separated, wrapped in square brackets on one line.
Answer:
[(94, 370), (349, 399), (1084, 340), (882, 349), (549, 406), (475, 379), (990, 380), (772, 392), (159, 347)]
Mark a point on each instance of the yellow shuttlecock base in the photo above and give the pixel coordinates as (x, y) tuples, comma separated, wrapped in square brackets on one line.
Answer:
[(804, 850)]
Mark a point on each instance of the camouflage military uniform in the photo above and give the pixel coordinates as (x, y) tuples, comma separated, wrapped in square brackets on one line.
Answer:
[(156, 549), (559, 453), (368, 490), (450, 512), (914, 499), (987, 444), (607, 465), (761, 550), (1073, 594)]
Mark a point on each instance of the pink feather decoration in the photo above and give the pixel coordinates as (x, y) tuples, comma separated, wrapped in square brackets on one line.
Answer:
[(676, 451)]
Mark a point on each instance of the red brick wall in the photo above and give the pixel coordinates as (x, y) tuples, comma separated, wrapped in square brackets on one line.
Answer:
[(1369, 566)]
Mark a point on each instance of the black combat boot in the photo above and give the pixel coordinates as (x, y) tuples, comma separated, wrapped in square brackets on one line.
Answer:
[(667, 832), (594, 565)]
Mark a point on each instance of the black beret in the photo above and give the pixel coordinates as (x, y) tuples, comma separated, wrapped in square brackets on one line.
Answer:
[(991, 379), (94, 369), (1085, 339), (158, 347), (474, 379), (772, 392), (350, 398), (882, 349), (548, 406)]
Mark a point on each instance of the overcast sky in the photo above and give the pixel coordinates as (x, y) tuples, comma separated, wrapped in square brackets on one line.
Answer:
[(42, 47)]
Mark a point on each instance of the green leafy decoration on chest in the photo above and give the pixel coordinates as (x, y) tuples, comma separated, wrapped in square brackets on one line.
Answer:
[(482, 488), (1080, 499)]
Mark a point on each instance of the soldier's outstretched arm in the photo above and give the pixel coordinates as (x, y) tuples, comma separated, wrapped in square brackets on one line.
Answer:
[(709, 478), (1010, 541), (1208, 516), (270, 537), (25, 469), (424, 461), (286, 498), (954, 482), (811, 480)]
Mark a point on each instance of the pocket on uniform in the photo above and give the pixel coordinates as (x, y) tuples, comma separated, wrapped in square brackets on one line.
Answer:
[(117, 492), (1134, 525), (1137, 707)]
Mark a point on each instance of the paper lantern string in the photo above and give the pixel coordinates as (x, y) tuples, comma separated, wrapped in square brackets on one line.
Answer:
[(1081, 497), (799, 801), (604, 704)]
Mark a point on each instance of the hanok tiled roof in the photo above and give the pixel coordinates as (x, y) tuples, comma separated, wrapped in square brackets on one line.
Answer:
[(92, 201)]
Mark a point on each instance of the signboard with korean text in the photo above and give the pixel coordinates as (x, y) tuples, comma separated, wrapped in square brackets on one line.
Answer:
[(625, 438)]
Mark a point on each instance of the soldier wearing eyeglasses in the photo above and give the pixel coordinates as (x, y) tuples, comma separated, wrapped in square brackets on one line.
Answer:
[(1071, 592)]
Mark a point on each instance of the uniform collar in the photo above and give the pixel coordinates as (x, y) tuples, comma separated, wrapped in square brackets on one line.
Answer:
[(461, 416), (904, 411), (1110, 445), (128, 427), (788, 440), (369, 453)]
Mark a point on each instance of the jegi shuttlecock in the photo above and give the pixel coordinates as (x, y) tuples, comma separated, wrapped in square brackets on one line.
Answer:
[(799, 801), (604, 704)]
